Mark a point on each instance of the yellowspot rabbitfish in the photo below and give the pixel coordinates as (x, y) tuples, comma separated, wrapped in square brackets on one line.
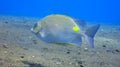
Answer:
[(58, 28)]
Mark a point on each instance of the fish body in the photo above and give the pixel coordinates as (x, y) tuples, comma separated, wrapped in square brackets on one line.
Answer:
[(57, 28)]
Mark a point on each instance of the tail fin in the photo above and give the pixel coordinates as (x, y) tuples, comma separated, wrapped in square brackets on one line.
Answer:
[(90, 33)]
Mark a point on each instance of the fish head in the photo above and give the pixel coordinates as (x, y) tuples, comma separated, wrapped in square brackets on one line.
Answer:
[(36, 28), (41, 31)]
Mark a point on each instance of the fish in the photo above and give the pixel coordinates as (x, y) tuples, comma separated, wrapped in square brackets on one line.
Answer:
[(59, 28)]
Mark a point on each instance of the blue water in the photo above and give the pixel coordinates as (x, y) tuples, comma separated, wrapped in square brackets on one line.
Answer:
[(103, 11)]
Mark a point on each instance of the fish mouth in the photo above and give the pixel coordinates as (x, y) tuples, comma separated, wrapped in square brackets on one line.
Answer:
[(31, 29), (34, 31)]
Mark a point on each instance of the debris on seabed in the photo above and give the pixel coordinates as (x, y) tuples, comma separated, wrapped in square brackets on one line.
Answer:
[(33, 56), (5, 52), (103, 45), (85, 49), (4, 45), (32, 64), (58, 63)]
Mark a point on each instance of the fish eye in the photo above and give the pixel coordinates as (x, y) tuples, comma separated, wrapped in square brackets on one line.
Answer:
[(35, 26)]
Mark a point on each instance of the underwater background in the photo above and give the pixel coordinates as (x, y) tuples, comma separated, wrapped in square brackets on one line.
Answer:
[(107, 11), (19, 47)]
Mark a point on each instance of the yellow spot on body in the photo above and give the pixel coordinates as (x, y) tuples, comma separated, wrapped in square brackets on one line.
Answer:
[(75, 28)]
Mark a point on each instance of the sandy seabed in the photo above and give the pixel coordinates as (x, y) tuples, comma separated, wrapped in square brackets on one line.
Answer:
[(19, 47)]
